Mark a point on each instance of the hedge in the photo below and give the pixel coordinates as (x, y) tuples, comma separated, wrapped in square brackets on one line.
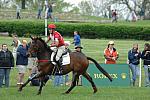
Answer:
[(86, 30)]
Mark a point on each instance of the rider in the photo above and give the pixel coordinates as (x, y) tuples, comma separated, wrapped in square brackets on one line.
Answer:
[(57, 41)]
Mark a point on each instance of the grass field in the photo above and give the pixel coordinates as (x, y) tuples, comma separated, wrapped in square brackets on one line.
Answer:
[(93, 48)]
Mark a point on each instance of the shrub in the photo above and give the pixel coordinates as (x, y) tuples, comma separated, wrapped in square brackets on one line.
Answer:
[(86, 30)]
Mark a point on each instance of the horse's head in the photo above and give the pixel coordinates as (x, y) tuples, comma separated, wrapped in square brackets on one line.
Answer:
[(38, 46)]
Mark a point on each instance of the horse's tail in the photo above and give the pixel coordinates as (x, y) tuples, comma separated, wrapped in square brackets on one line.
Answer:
[(100, 68)]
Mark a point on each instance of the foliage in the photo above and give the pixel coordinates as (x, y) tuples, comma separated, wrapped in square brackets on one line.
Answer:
[(140, 7), (22, 27), (87, 30), (86, 8)]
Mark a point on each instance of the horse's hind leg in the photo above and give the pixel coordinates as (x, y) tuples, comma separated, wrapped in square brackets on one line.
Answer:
[(89, 78), (73, 84), (43, 82)]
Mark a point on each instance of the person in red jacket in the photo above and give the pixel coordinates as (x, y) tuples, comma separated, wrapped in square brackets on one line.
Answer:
[(57, 41), (110, 53)]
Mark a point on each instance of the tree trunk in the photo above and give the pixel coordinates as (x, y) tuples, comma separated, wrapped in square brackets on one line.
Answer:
[(23, 3)]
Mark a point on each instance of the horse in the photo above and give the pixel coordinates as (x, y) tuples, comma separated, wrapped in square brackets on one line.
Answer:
[(78, 65)]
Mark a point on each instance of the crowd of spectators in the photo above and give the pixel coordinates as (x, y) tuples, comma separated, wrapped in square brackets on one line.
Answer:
[(19, 58)]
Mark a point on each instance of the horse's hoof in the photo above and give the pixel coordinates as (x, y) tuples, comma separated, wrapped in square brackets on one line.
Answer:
[(95, 90), (67, 92), (20, 89), (39, 93)]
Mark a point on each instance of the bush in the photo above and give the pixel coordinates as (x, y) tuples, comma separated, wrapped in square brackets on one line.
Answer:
[(115, 31), (86, 30), (22, 27)]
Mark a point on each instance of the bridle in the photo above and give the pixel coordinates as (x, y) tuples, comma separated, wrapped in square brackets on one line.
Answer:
[(35, 49)]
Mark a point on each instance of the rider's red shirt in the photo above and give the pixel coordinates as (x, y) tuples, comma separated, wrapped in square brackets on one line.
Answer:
[(56, 36)]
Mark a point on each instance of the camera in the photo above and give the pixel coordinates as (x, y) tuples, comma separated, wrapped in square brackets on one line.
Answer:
[(14, 44)]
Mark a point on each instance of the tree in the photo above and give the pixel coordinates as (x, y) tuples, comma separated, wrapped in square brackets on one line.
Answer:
[(86, 8), (75, 10), (23, 2), (139, 6), (61, 6)]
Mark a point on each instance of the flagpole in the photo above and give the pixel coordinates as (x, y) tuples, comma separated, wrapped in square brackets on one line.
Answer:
[(46, 4), (140, 75)]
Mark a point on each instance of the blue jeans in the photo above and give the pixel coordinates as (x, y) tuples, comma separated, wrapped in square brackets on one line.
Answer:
[(58, 80), (133, 70), (66, 78), (4, 73), (147, 81)]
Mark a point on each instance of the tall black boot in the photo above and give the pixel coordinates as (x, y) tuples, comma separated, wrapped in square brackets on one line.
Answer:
[(59, 67), (59, 64)]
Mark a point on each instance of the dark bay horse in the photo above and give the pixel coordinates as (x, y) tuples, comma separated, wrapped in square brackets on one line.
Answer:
[(78, 65)]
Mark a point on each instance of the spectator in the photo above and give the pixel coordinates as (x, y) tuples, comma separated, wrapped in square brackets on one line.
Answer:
[(142, 14), (6, 62), (134, 17), (110, 53), (134, 57), (78, 48), (58, 79), (77, 41), (15, 45), (35, 82), (146, 57), (66, 79), (31, 61), (49, 11), (39, 11), (114, 15), (18, 12), (22, 61)]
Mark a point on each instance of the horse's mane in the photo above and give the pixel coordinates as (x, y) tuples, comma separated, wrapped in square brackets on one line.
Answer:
[(44, 43)]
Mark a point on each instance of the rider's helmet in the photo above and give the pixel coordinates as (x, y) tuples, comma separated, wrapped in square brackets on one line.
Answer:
[(51, 26)]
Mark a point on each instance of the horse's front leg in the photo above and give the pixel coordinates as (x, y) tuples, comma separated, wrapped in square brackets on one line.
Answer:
[(43, 82), (29, 79)]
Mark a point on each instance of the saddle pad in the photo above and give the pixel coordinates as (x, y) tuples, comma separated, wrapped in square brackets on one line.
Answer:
[(66, 59)]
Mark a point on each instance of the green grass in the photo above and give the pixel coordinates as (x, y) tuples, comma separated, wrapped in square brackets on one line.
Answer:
[(93, 48), (79, 93), (137, 23)]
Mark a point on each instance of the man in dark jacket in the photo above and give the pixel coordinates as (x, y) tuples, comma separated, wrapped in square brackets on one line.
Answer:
[(6, 62), (134, 57), (146, 57)]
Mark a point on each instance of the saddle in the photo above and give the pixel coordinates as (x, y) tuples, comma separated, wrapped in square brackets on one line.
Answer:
[(64, 59)]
